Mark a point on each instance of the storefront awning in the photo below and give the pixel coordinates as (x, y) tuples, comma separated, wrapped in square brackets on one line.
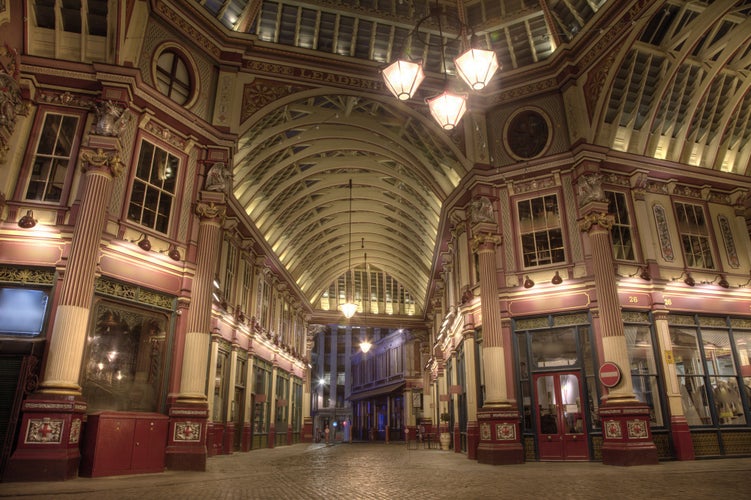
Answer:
[(378, 391)]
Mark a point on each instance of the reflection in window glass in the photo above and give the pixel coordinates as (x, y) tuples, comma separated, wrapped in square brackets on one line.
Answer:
[(173, 77), (711, 378), (694, 232), (540, 231), (690, 376), (554, 348), (623, 248), (644, 369), (721, 372), (124, 359), (221, 386), (49, 169), (153, 191)]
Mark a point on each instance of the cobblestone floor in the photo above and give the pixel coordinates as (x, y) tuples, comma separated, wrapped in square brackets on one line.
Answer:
[(379, 471)]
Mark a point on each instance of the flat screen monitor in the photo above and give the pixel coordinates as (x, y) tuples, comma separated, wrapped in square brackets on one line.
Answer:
[(22, 311)]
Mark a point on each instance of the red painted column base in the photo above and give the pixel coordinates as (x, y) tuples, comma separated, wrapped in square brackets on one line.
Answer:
[(211, 445), (48, 439), (457, 439), (307, 430), (272, 436), (683, 445), (229, 437), (627, 438), (186, 439), (246, 439), (473, 439), (500, 437)]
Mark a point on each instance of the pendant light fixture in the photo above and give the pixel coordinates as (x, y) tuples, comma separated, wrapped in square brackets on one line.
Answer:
[(475, 66), (349, 308)]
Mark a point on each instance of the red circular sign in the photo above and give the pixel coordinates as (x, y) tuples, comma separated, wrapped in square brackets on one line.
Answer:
[(610, 374)]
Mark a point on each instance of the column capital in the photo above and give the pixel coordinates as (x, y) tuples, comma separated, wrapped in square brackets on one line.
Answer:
[(593, 219), (487, 240), (210, 210), (100, 159)]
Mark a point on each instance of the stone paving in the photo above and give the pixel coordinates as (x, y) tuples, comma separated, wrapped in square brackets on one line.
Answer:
[(380, 471)]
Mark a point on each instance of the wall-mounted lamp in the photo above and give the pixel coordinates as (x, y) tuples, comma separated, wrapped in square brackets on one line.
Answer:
[(173, 253), (644, 274), (27, 221), (528, 283), (557, 280), (723, 281), (144, 243), (689, 280)]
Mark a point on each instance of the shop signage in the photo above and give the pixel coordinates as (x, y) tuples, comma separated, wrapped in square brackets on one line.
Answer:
[(610, 374)]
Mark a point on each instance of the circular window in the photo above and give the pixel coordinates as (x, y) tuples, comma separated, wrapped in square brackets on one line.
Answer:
[(527, 134), (173, 76)]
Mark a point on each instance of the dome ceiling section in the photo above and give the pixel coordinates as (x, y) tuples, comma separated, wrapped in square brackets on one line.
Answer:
[(682, 90), (392, 127), (292, 170), (318, 200), (522, 32)]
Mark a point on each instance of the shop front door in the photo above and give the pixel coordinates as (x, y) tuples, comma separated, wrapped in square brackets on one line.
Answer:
[(561, 429)]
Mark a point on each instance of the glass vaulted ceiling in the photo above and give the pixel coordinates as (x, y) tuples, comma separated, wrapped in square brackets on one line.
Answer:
[(293, 164)]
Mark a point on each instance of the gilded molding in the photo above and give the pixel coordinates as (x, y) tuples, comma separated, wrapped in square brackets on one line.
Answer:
[(601, 219), (483, 239), (101, 159), (210, 210)]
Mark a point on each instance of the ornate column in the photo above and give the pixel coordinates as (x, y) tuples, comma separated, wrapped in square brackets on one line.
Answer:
[(627, 438), (186, 445), (272, 412), (229, 424), (307, 419), (249, 388), (680, 433), (498, 419), (213, 426), (48, 444), (470, 381)]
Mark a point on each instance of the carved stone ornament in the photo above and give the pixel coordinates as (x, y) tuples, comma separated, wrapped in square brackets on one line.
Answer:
[(218, 178), (590, 189), (481, 210), (103, 159), (601, 219), (11, 103), (210, 210), (111, 119)]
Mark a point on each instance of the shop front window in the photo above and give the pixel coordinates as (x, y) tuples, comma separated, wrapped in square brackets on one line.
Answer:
[(690, 376), (721, 371), (554, 348), (644, 369), (714, 381), (124, 359)]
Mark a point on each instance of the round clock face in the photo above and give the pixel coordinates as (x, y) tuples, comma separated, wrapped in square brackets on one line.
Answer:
[(527, 134)]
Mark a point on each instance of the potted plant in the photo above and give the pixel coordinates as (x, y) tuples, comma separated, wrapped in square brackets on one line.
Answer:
[(445, 434)]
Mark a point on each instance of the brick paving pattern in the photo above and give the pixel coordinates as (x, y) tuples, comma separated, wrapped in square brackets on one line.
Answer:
[(380, 471)]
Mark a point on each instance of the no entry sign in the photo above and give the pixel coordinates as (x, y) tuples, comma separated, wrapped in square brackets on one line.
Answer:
[(610, 374)]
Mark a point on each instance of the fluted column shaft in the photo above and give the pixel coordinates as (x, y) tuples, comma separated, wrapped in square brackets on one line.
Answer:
[(494, 365), (70, 325), (615, 349), (196, 353)]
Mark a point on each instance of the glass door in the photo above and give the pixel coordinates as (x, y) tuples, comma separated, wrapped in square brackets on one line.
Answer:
[(561, 429)]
